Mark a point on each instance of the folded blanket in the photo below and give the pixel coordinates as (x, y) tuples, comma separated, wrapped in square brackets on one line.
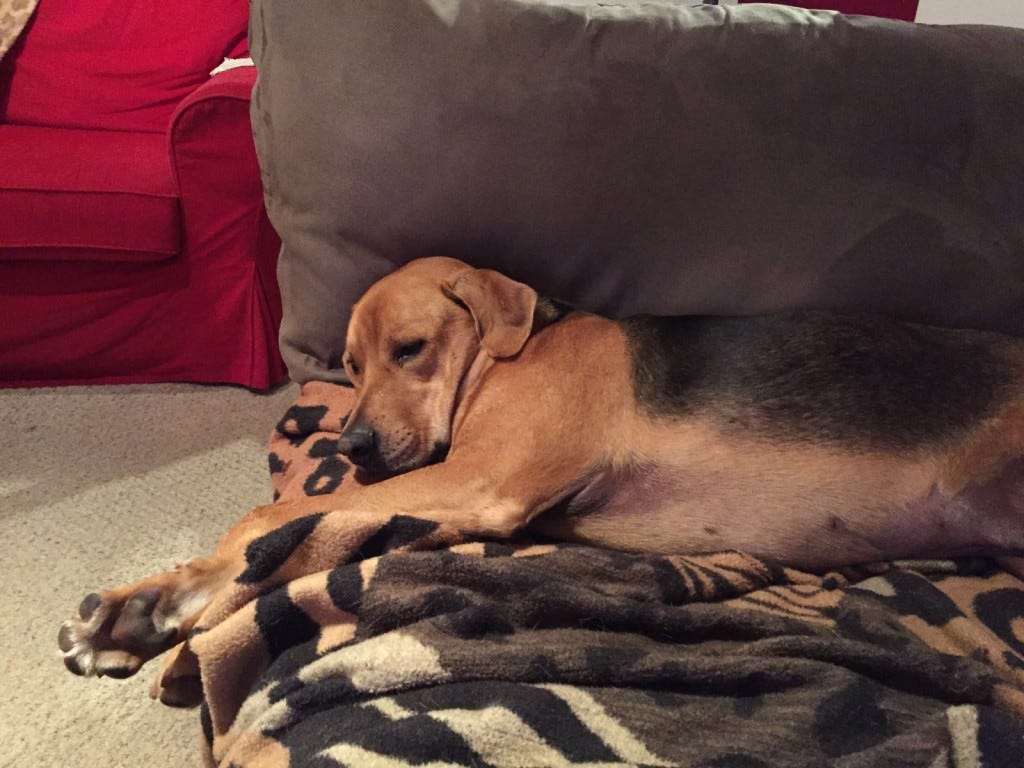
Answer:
[(14, 16), (348, 643)]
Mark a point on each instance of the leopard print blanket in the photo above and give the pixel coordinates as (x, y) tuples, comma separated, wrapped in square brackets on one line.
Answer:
[(14, 16), (346, 643)]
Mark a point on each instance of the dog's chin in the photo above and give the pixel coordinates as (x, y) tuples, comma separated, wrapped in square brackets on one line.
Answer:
[(383, 469)]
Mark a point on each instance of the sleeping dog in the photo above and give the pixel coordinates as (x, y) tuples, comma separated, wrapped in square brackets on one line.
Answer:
[(812, 439)]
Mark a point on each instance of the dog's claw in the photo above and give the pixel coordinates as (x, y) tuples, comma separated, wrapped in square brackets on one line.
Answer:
[(66, 637), (89, 605), (74, 666)]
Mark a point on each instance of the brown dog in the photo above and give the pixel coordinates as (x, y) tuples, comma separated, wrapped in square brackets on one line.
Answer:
[(813, 439)]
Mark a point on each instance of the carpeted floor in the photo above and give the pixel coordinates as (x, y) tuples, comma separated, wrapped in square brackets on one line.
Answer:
[(100, 485)]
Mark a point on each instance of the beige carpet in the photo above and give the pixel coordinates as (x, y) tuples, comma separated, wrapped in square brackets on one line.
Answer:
[(100, 485)]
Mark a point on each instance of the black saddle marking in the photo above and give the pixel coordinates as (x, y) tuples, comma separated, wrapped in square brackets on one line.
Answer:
[(820, 377)]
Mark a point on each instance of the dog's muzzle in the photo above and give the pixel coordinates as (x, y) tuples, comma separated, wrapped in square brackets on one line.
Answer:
[(359, 446)]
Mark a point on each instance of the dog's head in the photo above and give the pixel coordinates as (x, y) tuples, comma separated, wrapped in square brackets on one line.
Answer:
[(411, 341)]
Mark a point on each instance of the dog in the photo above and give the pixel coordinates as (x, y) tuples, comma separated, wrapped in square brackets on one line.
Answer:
[(813, 439)]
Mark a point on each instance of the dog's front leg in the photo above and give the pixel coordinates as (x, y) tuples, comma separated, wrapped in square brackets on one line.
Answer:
[(117, 630)]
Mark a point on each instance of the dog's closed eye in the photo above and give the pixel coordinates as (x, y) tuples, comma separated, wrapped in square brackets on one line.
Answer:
[(407, 351)]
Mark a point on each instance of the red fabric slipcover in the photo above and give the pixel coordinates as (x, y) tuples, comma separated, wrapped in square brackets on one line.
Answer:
[(134, 244)]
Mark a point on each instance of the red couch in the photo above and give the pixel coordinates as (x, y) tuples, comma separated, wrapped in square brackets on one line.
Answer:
[(134, 245), (904, 10)]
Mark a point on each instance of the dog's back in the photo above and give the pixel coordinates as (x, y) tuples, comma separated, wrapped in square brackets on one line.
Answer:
[(844, 380)]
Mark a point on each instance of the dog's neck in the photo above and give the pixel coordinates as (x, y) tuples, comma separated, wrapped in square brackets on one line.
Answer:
[(547, 312)]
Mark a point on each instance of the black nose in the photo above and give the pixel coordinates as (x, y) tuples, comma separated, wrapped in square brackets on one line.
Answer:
[(358, 444)]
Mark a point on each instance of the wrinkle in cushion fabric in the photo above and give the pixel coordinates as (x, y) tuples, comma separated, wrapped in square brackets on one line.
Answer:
[(647, 157)]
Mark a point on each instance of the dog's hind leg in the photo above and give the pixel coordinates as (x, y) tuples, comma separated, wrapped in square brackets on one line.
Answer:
[(986, 480)]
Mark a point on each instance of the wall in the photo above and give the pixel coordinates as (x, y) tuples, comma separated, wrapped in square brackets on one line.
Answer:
[(1006, 12)]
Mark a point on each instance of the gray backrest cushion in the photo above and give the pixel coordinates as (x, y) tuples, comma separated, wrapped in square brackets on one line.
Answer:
[(646, 156)]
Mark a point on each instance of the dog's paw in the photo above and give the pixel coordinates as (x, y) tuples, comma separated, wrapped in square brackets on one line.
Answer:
[(115, 637)]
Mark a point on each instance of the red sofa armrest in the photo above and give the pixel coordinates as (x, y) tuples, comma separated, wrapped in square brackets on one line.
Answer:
[(232, 84), (213, 157), (229, 243)]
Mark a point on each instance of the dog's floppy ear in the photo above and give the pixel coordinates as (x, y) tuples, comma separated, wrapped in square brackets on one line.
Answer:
[(501, 308)]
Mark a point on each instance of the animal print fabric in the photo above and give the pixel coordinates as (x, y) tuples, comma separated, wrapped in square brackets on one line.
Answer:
[(14, 16), (351, 644)]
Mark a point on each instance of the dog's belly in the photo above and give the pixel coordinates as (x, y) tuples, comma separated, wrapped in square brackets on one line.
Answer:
[(804, 506)]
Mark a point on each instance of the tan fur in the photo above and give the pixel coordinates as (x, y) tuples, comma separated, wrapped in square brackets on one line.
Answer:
[(981, 457)]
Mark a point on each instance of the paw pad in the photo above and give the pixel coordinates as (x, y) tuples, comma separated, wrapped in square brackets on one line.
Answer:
[(108, 640)]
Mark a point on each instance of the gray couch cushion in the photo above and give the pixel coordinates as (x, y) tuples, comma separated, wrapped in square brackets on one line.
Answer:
[(644, 156)]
